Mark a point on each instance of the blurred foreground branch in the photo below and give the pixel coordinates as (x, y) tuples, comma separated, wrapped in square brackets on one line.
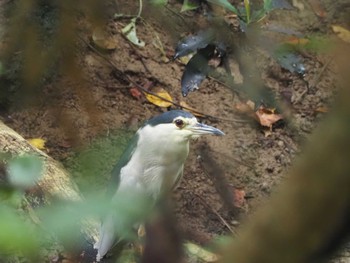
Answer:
[(54, 184)]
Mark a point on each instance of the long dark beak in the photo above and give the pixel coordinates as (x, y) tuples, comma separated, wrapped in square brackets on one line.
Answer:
[(201, 129)]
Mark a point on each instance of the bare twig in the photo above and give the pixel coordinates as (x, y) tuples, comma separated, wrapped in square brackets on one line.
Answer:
[(204, 203)]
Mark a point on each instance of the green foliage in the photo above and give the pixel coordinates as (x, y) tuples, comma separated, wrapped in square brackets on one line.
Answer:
[(26, 232), (25, 171), (188, 5), (91, 167), (225, 4), (17, 236), (159, 2)]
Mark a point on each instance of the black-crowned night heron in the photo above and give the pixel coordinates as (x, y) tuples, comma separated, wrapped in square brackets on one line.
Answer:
[(152, 164)]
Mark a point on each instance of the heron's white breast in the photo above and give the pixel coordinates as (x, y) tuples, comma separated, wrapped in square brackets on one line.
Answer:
[(157, 161)]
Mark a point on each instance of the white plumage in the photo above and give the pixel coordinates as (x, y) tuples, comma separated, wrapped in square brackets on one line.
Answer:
[(152, 165)]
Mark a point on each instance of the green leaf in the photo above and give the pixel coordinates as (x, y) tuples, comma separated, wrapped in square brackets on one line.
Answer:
[(189, 5), (159, 2), (247, 10), (17, 235), (225, 4), (129, 32), (268, 5), (25, 171)]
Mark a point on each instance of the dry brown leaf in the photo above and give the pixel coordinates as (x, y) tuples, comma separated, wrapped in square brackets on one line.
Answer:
[(246, 107), (135, 93), (342, 33), (267, 117), (103, 40), (239, 198), (322, 109), (38, 143), (190, 109), (158, 101)]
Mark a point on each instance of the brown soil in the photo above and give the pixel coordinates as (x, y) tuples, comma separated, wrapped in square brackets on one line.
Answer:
[(102, 112)]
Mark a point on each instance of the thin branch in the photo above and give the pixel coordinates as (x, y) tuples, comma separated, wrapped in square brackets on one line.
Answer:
[(225, 223)]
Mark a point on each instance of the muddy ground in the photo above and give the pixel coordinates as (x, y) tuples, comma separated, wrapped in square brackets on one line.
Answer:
[(87, 127)]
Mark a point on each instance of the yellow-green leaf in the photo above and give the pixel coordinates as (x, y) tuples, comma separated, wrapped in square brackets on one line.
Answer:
[(200, 253), (342, 33), (38, 143), (159, 101)]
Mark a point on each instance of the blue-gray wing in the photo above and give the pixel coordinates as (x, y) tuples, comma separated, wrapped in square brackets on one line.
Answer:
[(124, 159)]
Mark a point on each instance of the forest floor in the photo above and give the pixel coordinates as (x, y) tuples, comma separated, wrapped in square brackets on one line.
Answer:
[(87, 127)]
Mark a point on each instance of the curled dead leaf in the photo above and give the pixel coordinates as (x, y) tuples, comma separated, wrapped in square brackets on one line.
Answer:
[(159, 101), (267, 117)]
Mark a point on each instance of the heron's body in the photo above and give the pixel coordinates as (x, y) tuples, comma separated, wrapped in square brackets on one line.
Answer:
[(152, 164), (152, 173)]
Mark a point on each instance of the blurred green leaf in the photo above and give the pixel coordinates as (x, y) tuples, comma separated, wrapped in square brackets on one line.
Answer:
[(64, 218), (189, 5), (268, 5), (25, 171), (225, 4), (16, 235), (159, 2), (247, 10), (92, 167)]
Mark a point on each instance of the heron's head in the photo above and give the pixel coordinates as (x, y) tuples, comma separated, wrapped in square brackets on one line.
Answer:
[(179, 125)]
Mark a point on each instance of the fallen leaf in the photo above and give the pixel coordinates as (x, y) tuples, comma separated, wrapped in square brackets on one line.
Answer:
[(239, 198), (318, 8), (192, 43), (196, 70), (159, 45), (38, 143), (296, 41), (267, 117), (104, 41), (129, 31), (189, 5), (200, 253), (158, 101), (135, 93), (322, 109), (185, 59), (190, 109), (244, 108), (342, 33)]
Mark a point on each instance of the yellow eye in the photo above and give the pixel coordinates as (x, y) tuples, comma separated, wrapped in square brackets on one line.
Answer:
[(179, 123)]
